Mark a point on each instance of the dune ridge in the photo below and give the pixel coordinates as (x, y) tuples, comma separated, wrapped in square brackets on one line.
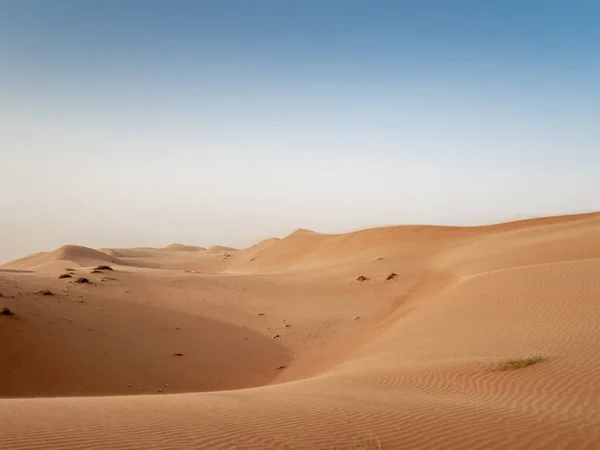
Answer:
[(303, 355)]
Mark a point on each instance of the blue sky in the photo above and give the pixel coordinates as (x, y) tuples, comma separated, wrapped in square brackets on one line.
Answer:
[(126, 123)]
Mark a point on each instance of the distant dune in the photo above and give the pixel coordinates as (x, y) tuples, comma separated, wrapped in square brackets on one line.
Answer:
[(67, 254), (220, 249), (130, 252), (404, 337), (183, 248), (265, 243)]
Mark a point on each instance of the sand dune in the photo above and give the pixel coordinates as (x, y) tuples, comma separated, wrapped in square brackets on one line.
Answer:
[(280, 346), (127, 253), (66, 255), (220, 249), (182, 248)]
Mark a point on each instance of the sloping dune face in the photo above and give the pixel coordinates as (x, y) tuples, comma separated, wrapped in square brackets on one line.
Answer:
[(393, 338)]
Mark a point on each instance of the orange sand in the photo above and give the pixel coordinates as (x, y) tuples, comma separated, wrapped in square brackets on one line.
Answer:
[(282, 348)]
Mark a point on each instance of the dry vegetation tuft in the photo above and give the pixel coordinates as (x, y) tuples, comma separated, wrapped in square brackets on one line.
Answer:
[(519, 363)]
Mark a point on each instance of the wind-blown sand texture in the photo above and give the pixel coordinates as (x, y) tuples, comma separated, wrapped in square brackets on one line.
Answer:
[(279, 345)]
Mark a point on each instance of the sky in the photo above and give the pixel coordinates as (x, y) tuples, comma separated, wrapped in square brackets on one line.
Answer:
[(141, 123)]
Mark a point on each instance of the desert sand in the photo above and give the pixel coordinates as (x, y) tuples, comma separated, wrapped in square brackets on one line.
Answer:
[(485, 338)]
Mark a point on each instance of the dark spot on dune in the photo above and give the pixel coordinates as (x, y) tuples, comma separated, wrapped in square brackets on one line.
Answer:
[(96, 271), (280, 368), (276, 336), (65, 275), (104, 268), (177, 354)]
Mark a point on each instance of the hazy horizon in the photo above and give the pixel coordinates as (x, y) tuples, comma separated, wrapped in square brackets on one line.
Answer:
[(143, 123)]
